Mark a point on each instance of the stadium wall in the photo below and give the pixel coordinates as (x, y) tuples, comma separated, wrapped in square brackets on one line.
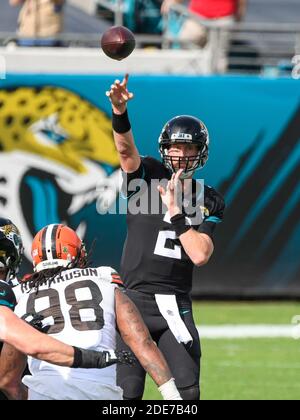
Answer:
[(58, 163)]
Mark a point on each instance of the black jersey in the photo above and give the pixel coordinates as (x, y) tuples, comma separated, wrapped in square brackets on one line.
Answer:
[(154, 260), (7, 296)]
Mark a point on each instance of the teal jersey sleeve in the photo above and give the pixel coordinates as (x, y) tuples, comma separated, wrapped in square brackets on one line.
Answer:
[(7, 296)]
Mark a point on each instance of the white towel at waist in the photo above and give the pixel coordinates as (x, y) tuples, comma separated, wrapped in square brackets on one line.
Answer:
[(168, 307)]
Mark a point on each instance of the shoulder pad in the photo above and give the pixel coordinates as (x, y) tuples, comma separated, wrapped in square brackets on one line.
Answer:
[(109, 275), (214, 204)]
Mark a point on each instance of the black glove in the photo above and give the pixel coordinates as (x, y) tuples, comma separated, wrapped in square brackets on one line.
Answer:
[(91, 359), (36, 321), (122, 357)]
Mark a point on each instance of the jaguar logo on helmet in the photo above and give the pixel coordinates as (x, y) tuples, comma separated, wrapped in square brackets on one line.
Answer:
[(6, 229)]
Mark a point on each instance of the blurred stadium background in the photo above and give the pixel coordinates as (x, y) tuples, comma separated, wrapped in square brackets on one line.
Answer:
[(58, 163)]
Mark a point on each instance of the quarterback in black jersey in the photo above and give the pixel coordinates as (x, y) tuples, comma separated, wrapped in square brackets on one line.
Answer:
[(162, 247)]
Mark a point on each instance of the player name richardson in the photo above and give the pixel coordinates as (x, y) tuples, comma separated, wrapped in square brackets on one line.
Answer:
[(74, 274), (143, 408)]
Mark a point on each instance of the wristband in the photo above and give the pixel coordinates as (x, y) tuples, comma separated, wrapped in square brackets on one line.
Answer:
[(90, 359), (169, 390), (178, 222), (77, 358), (121, 123)]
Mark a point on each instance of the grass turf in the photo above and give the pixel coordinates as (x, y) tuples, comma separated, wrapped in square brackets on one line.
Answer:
[(252, 369)]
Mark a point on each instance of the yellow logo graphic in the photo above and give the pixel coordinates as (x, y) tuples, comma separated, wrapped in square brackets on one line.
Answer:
[(204, 211), (7, 229), (57, 158), (57, 124)]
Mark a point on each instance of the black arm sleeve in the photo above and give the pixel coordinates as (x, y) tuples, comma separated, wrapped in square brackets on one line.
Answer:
[(208, 228), (132, 181), (215, 206), (7, 296)]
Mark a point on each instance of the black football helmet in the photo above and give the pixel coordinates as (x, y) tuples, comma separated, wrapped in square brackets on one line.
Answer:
[(11, 248), (188, 130)]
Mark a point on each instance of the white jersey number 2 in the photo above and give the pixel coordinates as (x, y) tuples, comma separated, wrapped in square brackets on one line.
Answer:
[(161, 245)]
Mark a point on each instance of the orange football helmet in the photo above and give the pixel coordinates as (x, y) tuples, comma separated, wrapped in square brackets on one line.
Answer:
[(57, 246)]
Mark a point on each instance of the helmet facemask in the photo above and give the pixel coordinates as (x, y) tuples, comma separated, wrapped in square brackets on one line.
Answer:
[(192, 163)]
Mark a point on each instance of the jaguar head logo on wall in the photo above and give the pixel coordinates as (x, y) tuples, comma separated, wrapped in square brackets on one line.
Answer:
[(55, 149)]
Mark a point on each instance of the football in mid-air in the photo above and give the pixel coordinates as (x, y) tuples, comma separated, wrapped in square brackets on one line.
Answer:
[(118, 42)]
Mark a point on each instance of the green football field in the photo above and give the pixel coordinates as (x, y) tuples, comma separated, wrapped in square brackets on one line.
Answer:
[(252, 369)]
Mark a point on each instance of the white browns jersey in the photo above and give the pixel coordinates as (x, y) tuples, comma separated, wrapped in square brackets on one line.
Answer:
[(79, 306)]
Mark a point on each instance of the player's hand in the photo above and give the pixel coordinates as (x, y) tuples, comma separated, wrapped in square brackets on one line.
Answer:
[(119, 95), (36, 321), (172, 195)]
